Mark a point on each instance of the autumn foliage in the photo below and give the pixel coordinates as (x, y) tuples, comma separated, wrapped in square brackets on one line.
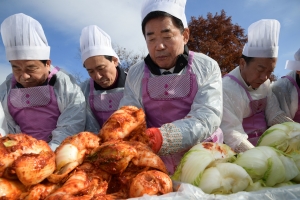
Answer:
[(217, 38)]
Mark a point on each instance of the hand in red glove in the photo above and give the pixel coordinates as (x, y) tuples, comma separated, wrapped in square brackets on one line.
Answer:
[(155, 137)]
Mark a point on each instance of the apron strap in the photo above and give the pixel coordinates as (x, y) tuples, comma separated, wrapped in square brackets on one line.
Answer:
[(54, 71), (91, 85), (240, 83), (13, 82), (190, 61)]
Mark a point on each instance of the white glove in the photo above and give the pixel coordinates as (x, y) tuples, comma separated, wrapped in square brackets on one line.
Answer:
[(2, 133), (53, 146), (243, 146)]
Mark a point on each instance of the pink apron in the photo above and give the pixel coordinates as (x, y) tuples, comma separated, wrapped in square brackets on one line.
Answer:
[(104, 105), (297, 114), (254, 125), (34, 109), (168, 98)]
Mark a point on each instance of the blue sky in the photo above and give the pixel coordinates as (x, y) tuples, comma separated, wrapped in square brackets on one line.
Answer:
[(63, 20)]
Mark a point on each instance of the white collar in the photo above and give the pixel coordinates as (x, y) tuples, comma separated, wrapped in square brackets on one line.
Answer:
[(170, 70)]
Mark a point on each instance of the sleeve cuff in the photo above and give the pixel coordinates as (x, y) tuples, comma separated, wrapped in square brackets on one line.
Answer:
[(279, 119), (53, 146)]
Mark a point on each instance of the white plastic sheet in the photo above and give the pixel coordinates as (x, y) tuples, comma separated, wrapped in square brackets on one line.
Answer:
[(188, 191)]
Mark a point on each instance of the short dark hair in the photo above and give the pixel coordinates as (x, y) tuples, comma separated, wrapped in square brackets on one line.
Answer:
[(247, 59), (157, 14), (44, 61), (107, 57)]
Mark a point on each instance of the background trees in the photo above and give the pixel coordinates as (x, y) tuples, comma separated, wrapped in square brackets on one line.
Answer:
[(128, 58), (217, 38)]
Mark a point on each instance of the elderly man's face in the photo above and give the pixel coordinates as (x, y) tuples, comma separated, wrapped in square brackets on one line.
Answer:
[(30, 73), (101, 70), (257, 71), (165, 41)]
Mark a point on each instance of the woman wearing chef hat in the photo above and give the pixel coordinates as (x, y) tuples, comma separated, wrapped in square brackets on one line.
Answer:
[(287, 89), (179, 90), (250, 107), (104, 90), (38, 99)]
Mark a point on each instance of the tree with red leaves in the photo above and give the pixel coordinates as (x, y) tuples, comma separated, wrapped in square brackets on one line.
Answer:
[(217, 38)]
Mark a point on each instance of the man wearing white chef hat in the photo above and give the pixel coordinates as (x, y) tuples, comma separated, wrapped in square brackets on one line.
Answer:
[(38, 99), (179, 90), (250, 107), (287, 89), (104, 90)]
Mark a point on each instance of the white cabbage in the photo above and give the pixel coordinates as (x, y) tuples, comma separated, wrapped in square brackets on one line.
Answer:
[(289, 183), (198, 158), (67, 154), (224, 178), (254, 162), (291, 169), (284, 137), (258, 185), (267, 164), (296, 157)]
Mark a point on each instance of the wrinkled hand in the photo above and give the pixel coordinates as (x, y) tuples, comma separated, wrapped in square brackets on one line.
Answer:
[(155, 138), (243, 146)]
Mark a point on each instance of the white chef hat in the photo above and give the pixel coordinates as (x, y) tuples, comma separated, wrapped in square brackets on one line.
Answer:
[(294, 64), (175, 8), (24, 38), (94, 42), (263, 37)]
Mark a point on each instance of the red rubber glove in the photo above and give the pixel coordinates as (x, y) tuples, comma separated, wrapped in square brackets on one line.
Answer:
[(155, 137)]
